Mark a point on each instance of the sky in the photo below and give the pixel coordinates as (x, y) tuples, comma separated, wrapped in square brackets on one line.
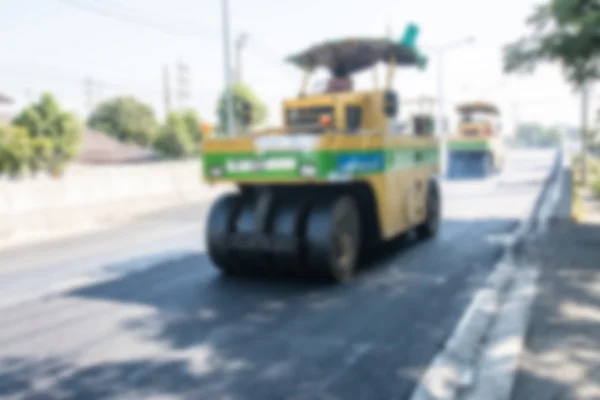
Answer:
[(52, 45)]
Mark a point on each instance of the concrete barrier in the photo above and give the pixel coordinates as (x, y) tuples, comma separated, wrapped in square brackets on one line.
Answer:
[(92, 197)]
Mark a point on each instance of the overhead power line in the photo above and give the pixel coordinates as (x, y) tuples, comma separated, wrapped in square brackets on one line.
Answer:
[(61, 78), (121, 17), (171, 29), (266, 54)]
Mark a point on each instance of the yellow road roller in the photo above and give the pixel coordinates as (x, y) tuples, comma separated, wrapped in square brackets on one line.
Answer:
[(338, 179), (477, 150)]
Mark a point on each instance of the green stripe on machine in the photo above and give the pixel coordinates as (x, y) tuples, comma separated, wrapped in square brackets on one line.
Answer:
[(474, 145), (323, 164)]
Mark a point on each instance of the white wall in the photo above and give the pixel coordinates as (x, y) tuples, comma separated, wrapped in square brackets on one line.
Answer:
[(87, 197)]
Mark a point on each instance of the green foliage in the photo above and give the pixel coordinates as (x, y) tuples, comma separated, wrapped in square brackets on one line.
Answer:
[(241, 93), (175, 140), (193, 125), (536, 135), (41, 153), (565, 31), (15, 150), (54, 136), (596, 187), (126, 119), (594, 171)]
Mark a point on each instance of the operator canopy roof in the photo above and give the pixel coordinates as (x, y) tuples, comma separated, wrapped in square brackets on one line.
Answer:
[(351, 55), (478, 106)]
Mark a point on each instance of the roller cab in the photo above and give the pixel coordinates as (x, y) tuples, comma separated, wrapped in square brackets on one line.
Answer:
[(333, 182)]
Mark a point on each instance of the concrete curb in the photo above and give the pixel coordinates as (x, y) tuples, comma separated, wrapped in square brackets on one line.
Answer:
[(454, 370), (497, 367)]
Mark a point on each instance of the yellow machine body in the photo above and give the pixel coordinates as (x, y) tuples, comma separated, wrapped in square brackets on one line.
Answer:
[(398, 184)]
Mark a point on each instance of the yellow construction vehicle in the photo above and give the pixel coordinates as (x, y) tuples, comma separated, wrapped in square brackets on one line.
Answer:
[(477, 150), (337, 180)]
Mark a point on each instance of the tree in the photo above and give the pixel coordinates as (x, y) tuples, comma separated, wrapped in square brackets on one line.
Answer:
[(563, 31), (241, 94), (41, 153), (174, 139), (550, 137), (126, 119), (527, 133), (194, 126), (55, 135), (592, 136)]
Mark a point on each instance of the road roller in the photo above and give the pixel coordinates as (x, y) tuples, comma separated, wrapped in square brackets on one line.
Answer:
[(477, 151), (336, 180)]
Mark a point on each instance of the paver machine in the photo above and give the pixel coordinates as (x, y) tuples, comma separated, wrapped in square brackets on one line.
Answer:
[(334, 182), (477, 150)]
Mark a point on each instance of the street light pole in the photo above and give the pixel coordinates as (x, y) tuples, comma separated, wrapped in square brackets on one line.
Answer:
[(227, 67), (442, 134), (240, 43)]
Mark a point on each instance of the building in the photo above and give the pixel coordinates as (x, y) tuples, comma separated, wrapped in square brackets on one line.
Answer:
[(99, 148), (4, 99)]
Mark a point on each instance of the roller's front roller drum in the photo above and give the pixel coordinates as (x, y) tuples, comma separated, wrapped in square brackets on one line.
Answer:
[(220, 224), (333, 239), (430, 227)]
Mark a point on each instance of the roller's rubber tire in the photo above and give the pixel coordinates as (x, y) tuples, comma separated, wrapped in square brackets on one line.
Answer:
[(431, 226), (333, 239), (219, 223)]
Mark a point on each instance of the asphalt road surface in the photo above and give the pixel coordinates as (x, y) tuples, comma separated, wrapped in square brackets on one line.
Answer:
[(139, 312)]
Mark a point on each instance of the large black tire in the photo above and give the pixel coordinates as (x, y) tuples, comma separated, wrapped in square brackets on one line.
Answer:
[(289, 221), (430, 227), (333, 239), (220, 223)]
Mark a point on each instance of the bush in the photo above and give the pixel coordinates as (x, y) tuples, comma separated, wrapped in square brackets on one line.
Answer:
[(174, 139), (15, 151)]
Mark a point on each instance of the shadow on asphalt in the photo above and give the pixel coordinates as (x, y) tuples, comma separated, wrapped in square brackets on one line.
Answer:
[(267, 338), (563, 341)]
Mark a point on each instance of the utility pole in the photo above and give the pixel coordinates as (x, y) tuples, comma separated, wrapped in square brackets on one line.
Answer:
[(516, 118), (441, 128), (90, 100), (166, 90), (29, 95), (240, 43), (227, 67), (98, 92), (584, 130), (183, 85), (388, 31), (92, 93)]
